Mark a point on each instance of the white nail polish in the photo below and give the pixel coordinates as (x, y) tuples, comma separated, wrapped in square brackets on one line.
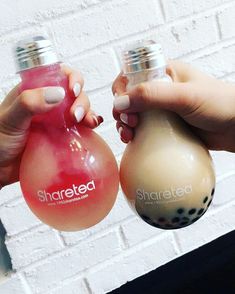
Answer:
[(53, 94), (120, 131), (79, 113), (122, 102), (124, 118), (76, 89)]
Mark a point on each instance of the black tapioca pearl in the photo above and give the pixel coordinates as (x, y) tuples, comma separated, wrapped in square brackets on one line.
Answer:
[(156, 225), (192, 211), (146, 218), (200, 211), (175, 220), (205, 199), (195, 219), (209, 203), (161, 219), (213, 192), (184, 223), (168, 225), (180, 210)]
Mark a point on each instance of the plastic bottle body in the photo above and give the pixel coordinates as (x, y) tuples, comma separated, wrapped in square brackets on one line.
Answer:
[(68, 174), (172, 181)]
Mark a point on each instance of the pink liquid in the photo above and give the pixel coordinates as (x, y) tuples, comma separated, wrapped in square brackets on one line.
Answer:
[(68, 174)]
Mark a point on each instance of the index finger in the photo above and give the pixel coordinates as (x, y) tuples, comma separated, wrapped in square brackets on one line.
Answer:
[(11, 96), (120, 84), (73, 75)]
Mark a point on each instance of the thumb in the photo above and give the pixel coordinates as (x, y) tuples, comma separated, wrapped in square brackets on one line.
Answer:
[(18, 115), (177, 97)]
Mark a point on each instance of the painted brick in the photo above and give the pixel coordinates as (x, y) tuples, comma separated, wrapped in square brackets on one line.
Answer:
[(226, 22), (188, 36), (178, 8), (12, 285), (225, 190), (103, 24), (32, 246), (25, 12), (10, 192), (74, 287), (132, 265), (17, 217), (98, 69), (224, 162), (54, 271), (219, 63), (206, 229), (137, 231)]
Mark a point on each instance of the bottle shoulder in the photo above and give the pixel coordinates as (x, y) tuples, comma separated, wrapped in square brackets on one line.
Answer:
[(42, 77)]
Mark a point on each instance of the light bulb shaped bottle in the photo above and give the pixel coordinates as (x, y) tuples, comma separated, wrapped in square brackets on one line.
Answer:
[(68, 174), (166, 172)]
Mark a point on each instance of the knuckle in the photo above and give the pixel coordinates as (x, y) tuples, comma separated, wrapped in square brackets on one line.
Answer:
[(144, 92), (27, 101)]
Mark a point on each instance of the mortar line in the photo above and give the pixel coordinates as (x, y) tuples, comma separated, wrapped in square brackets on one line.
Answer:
[(90, 238), (86, 282), (162, 10), (25, 283), (220, 35)]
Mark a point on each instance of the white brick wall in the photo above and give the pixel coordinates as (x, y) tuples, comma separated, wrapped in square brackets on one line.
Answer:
[(86, 34)]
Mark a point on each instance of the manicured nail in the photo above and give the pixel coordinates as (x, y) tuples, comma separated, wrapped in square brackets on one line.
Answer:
[(122, 102), (76, 89), (95, 120), (53, 94), (100, 119), (79, 113), (120, 131), (124, 118)]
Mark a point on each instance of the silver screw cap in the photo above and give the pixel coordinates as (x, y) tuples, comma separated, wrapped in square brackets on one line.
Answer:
[(34, 52), (145, 55)]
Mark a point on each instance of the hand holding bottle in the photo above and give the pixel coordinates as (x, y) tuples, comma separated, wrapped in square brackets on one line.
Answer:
[(166, 172), (205, 103), (17, 111)]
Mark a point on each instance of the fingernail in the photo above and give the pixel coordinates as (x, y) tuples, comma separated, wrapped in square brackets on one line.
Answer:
[(120, 131), (124, 118), (76, 89), (122, 102), (95, 119), (53, 94), (100, 119), (79, 113)]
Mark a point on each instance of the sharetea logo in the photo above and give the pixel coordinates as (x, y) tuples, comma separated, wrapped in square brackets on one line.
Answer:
[(79, 191), (170, 195)]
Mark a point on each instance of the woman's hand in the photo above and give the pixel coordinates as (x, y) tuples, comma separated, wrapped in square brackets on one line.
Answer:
[(17, 110), (205, 103)]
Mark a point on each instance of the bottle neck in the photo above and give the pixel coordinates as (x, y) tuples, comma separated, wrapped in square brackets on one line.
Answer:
[(49, 76), (157, 118)]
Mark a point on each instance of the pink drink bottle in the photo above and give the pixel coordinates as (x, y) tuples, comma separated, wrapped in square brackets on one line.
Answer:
[(68, 174)]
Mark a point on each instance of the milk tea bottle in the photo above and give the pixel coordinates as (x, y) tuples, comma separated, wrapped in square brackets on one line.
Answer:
[(166, 172), (68, 174)]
